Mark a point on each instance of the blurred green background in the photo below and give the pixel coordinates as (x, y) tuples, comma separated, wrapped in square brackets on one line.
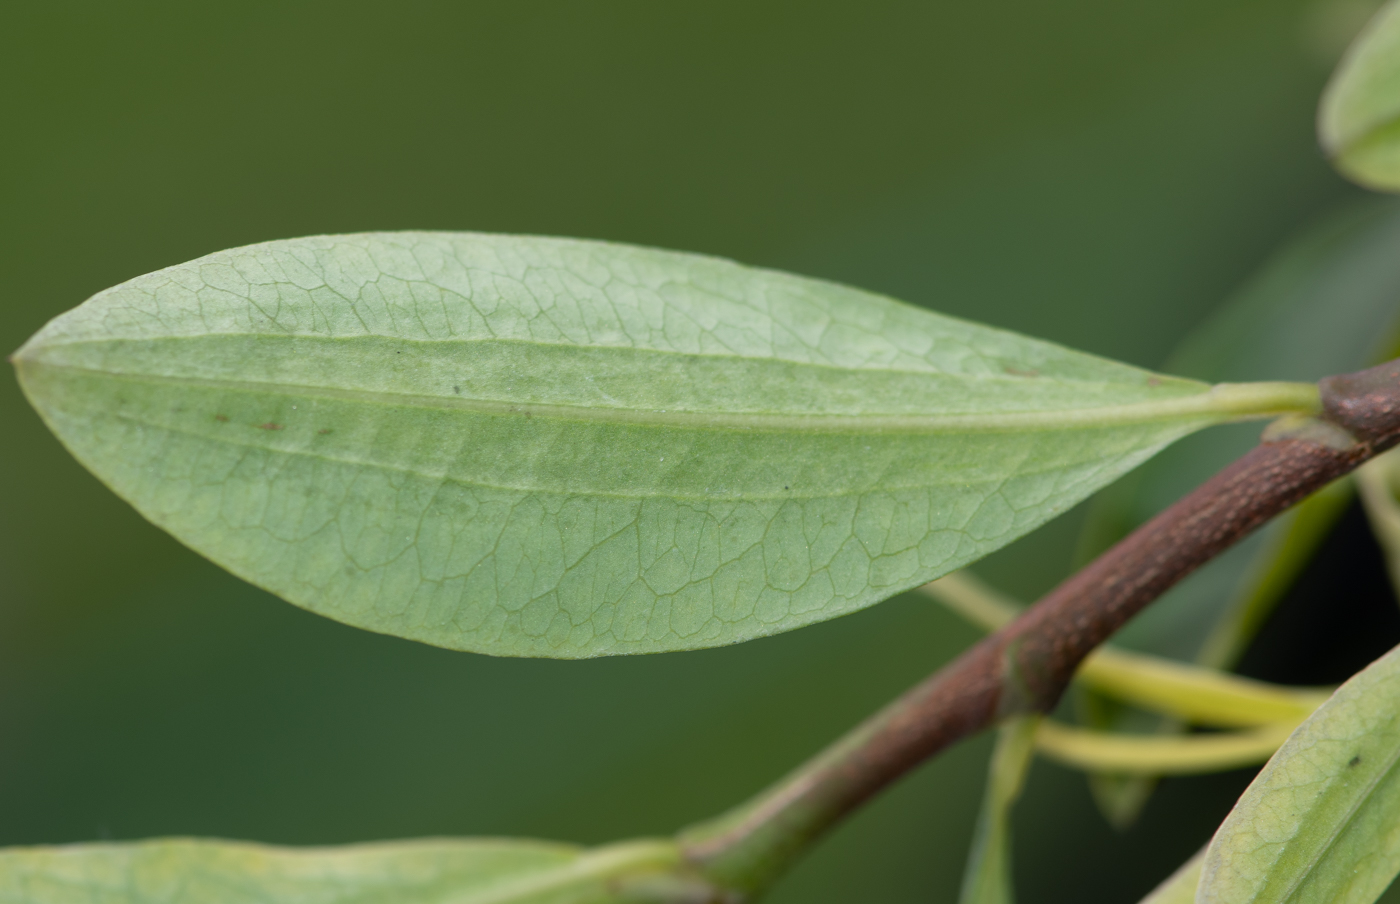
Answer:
[(1098, 173)]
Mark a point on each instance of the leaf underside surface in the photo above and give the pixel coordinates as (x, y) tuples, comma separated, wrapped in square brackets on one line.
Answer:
[(1321, 822), (549, 447), (469, 871)]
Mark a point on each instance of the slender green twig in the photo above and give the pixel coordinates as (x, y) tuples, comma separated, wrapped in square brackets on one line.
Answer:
[(987, 879), (1201, 696), (1160, 754)]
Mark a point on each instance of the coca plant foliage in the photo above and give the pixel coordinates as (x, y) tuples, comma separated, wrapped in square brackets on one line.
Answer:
[(550, 447), (547, 447)]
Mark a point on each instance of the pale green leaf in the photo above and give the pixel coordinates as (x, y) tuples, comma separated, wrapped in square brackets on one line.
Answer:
[(1321, 822), (548, 447), (987, 879), (1359, 120), (465, 871)]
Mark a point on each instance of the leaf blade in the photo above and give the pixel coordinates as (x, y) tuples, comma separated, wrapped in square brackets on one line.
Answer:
[(466, 871), (558, 448), (1321, 822)]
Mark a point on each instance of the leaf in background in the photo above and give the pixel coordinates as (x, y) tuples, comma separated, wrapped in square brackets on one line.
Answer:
[(987, 879), (1327, 303), (1378, 480), (1321, 822), (549, 447), (464, 871), (1180, 886), (1359, 120)]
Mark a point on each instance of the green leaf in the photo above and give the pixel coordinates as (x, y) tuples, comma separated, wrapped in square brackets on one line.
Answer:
[(1359, 121), (548, 447), (1321, 822), (465, 871), (987, 879)]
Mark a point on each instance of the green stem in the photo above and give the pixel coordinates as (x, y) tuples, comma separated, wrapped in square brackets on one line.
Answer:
[(988, 876), (1198, 695), (1158, 754)]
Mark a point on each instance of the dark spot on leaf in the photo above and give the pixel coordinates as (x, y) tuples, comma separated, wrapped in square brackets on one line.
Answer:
[(324, 430), (270, 426), (457, 389), (1354, 760), (1153, 381), (221, 418), (1017, 372), (787, 488)]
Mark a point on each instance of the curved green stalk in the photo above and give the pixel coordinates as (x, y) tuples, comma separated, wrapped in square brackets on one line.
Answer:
[(1158, 754), (1200, 695), (987, 879), (1197, 695)]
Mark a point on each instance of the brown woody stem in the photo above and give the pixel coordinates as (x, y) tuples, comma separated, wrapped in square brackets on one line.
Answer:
[(1026, 666)]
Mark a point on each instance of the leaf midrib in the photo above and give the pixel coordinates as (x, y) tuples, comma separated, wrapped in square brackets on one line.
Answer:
[(599, 864), (928, 372), (746, 495), (1214, 404)]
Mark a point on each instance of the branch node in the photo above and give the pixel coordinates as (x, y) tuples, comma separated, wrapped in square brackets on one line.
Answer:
[(1309, 430), (1366, 403)]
